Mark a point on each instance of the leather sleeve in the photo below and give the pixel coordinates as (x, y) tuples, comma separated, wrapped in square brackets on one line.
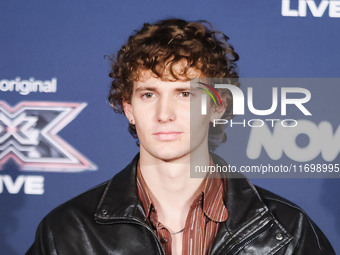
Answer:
[(44, 242), (307, 237), (310, 239)]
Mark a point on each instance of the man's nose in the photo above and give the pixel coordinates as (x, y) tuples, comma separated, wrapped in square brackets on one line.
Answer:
[(166, 109)]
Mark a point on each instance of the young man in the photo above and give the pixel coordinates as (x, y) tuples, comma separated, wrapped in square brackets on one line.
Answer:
[(153, 206)]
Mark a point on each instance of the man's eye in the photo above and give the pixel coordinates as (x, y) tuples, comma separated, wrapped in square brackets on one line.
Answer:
[(185, 94), (148, 95)]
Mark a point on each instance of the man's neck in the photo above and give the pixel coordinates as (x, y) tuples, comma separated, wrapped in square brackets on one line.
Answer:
[(170, 186)]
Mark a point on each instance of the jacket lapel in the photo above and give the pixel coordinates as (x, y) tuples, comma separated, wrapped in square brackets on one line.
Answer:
[(248, 218), (120, 199)]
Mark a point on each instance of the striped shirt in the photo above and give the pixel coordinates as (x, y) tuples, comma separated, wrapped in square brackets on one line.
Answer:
[(205, 214)]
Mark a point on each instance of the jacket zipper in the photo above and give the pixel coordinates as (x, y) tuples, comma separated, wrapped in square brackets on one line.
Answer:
[(249, 239), (136, 222)]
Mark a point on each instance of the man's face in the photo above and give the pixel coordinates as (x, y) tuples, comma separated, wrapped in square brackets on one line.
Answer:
[(160, 111)]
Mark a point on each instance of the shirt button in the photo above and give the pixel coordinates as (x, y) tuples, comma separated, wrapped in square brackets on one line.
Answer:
[(104, 212), (279, 236), (164, 240)]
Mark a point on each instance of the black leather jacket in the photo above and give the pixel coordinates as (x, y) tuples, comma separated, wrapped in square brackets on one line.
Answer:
[(109, 219)]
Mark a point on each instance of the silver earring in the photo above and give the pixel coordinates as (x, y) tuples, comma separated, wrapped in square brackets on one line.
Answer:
[(131, 122)]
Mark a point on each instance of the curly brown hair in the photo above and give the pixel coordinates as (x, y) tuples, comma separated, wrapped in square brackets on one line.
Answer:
[(162, 45)]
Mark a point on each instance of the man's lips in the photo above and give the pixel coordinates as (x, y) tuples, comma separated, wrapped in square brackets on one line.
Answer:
[(167, 135)]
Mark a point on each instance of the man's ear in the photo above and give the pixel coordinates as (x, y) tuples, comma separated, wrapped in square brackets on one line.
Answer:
[(128, 111), (218, 111)]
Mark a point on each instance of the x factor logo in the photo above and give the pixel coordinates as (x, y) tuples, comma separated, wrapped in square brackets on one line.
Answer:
[(29, 135)]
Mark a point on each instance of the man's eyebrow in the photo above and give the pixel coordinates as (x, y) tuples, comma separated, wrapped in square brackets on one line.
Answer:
[(148, 88), (142, 88), (182, 89)]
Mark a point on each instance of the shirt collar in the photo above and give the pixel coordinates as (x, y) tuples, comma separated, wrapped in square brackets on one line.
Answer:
[(212, 196), (213, 205)]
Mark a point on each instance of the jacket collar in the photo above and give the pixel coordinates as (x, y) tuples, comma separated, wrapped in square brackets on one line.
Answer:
[(242, 199), (121, 200)]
